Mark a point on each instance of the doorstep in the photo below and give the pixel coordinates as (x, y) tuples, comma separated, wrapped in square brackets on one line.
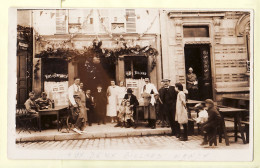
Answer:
[(96, 131)]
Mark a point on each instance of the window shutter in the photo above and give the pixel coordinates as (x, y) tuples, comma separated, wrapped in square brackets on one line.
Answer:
[(130, 21), (61, 24)]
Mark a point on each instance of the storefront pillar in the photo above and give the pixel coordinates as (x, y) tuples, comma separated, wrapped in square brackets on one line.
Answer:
[(72, 71), (37, 85)]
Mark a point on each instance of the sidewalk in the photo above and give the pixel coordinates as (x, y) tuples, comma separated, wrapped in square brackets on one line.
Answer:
[(95, 131)]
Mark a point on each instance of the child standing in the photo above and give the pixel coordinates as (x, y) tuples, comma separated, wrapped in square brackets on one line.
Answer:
[(181, 112), (121, 114), (129, 112)]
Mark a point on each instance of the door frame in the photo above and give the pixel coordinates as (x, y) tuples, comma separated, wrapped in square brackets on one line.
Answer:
[(212, 67)]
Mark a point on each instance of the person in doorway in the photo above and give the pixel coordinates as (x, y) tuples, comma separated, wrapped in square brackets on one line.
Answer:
[(148, 92), (181, 112), (100, 102), (192, 84), (208, 128), (43, 102), (90, 107), (30, 104), (112, 101), (77, 109), (132, 99), (169, 96)]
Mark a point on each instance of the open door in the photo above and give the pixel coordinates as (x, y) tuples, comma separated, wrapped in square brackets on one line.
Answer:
[(197, 56)]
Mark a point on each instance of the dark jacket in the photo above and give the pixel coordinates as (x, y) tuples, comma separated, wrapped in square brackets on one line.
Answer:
[(213, 117), (100, 100), (89, 102), (133, 100), (168, 95)]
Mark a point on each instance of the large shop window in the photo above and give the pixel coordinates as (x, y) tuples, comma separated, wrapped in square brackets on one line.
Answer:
[(196, 31), (55, 77), (136, 67)]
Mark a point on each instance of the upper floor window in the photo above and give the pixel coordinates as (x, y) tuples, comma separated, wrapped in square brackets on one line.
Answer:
[(130, 21), (195, 31)]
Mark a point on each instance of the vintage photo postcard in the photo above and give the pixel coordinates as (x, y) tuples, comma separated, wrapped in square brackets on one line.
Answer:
[(130, 84)]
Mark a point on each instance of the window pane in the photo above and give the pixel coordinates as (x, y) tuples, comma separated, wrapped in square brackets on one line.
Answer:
[(196, 31)]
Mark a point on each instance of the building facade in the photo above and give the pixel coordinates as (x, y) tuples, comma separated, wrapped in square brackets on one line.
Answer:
[(216, 44), (148, 43)]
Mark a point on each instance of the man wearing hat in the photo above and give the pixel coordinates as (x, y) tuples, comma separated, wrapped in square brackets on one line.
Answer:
[(168, 97), (148, 92), (133, 101), (76, 106), (30, 105), (100, 102)]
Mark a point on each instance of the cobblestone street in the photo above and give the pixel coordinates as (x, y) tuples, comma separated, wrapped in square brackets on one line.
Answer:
[(133, 143)]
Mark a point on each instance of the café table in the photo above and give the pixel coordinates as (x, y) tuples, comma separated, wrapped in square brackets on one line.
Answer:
[(191, 103), (236, 114), (51, 111), (235, 101)]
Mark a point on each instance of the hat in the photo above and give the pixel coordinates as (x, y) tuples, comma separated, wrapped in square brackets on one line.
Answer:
[(129, 90), (146, 79), (209, 101), (166, 80)]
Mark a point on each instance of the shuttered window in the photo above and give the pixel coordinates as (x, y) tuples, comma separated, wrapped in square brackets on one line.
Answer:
[(61, 22), (130, 21)]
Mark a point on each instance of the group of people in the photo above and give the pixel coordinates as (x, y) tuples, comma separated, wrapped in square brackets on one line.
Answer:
[(119, 103)]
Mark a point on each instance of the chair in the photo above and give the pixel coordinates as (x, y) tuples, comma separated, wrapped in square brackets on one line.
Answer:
[(26, 121)]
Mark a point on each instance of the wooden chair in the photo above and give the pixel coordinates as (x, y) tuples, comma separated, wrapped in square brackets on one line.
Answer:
[(27, 121)]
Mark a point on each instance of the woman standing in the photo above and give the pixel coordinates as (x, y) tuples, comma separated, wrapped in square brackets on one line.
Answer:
[(121, 91), (181, 112), (112, 101)]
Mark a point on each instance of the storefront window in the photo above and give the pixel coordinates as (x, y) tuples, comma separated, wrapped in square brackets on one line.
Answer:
[(195, 31), (136, 67), (55, 77)]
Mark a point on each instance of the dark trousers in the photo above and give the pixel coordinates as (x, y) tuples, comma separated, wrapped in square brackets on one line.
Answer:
[(170, 110), (163, 116), (184, 134), (90, 114)]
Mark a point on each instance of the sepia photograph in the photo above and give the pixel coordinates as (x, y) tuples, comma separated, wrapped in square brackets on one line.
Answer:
[(131, 84)]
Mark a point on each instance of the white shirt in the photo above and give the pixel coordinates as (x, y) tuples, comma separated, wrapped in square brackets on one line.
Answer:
[(148, 88), (72, 89)]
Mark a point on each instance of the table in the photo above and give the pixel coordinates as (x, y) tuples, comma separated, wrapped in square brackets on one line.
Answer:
[(235, 101), (191, 103), (236, 114), (52, 111)]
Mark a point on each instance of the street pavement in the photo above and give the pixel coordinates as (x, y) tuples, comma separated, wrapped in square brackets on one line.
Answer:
[(133, 143)]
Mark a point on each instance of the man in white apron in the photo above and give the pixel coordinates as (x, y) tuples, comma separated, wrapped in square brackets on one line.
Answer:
[(148, 92)]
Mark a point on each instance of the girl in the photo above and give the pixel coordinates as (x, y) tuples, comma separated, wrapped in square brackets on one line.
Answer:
[(129, 115), (181, 112), (121, 114)]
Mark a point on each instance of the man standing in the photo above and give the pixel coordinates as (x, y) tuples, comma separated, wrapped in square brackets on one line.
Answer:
[(148, 93), (77, 109), (100, 104), (89, 106), (169, 97)]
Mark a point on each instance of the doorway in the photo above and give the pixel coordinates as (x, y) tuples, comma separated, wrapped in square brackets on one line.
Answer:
[(92, 74), (197, 56)]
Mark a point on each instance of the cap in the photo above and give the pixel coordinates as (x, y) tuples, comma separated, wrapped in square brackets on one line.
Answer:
[(129, 90), (31, 93), (166, 80), (209, 101), (146, 79)]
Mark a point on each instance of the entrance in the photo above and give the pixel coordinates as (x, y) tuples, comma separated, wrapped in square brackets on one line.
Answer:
[(92, 74), (197, 56)]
